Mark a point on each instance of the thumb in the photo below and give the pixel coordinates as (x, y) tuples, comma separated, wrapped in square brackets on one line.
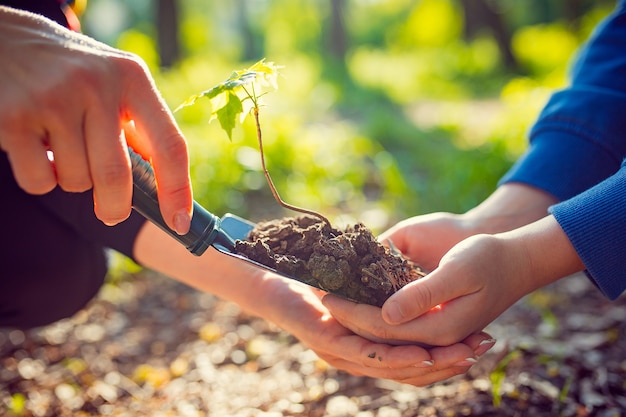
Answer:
[(420, 296)]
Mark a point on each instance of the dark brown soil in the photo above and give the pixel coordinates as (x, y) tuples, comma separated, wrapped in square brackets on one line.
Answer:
[(350, 263)]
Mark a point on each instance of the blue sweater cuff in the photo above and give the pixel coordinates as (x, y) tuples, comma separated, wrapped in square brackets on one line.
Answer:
[(594, 222)]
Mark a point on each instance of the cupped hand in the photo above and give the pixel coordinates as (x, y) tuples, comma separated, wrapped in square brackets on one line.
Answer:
[(471, 287), (478, 279), (65, 94), (299, 310), (475, 282), (425, 239)]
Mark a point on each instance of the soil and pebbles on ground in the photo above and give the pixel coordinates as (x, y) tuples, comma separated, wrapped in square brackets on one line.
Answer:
[(148, 346)]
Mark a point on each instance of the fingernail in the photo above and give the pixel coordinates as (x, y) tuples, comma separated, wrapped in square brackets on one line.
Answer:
[(394, 312), (182, 221), (424, 364), (466, 362), (484, 346)]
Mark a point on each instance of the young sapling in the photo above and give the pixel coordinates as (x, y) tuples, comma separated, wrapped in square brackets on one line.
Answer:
[(237, 97), (351, 262)]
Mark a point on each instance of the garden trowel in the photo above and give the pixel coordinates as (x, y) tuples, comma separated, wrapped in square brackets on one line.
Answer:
[(206, 228)]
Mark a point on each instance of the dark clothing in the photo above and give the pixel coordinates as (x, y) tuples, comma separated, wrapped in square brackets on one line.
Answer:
[(53, 248), (52, 256), (52, 9)]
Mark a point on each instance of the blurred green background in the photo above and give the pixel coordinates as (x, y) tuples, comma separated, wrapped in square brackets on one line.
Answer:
[(385, 109)]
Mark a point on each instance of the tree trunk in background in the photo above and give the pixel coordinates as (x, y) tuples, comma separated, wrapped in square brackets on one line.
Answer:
[(252, 43), (167, 32), (479, 15), (334, 43), (338, 39), (573, 10)]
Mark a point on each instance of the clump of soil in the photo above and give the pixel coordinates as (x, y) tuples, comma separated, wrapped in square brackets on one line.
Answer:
[(350, 263)]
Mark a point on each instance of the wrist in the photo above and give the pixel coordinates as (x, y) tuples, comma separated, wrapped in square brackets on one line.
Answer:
[(542, 253), (511, 206)]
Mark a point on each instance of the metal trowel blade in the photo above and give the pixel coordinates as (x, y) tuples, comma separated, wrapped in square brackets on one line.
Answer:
[(239, 228), (236, 227)]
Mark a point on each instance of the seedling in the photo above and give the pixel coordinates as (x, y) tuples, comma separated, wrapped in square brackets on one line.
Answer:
[(350, 263), (239, 96)]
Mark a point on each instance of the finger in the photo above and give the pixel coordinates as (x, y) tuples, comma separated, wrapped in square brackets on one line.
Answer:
[(430, 330), (456, 320), (448, 361), (445, 362), (421, 296), (480, 342), (365, 320), (406, 236), (367, 354), (434, 377), (32, 169), (419, 377), (397, 235), (454, 355), (70, 155), (109, 163), (438, 327), (167, 149)]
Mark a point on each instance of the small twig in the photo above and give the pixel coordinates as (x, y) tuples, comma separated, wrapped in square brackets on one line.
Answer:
[(390, 277)]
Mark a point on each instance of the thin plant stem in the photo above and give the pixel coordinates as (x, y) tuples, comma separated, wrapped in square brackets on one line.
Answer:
[(269, 178)]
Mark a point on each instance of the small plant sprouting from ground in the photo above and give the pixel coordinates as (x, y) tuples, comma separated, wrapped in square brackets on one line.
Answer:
[(499, 374), (239, 96)]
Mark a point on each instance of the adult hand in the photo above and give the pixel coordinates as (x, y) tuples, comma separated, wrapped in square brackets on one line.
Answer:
[(66, 93), (297, 309)]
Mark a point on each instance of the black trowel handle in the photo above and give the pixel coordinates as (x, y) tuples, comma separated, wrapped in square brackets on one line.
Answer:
[(205, 227)]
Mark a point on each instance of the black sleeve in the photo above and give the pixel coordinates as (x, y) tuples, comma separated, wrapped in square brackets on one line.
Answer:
[(49, 8), (75, 210)]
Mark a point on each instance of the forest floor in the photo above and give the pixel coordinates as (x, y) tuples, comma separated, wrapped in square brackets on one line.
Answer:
[(148, 346)]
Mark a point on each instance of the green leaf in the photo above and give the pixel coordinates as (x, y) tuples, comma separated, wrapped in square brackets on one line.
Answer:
[(210, 94), (226, 98), (240, 78), (227, 115), (188, 102), (266, 73)]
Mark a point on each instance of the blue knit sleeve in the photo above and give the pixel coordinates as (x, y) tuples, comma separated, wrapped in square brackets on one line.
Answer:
[(595, 223), (577, 147), (578, 139)]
